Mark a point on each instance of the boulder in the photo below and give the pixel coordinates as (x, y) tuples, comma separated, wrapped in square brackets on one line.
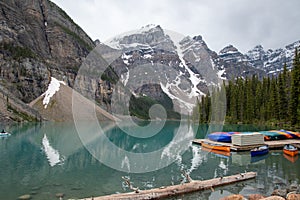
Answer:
[(293, 188), (255, 197), (24, 197), (292, 196), (279, 192), (274, 198), (233, 197)]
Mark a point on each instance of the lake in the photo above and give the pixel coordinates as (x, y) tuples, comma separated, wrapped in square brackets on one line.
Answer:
[(43, 159)]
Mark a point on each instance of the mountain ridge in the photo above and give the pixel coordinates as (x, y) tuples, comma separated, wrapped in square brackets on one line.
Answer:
[(38, 40)]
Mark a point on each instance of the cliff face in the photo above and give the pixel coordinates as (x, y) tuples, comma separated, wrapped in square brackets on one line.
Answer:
[(38, 40)]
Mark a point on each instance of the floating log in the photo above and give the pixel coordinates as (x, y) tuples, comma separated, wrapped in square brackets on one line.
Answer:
[(174, 190)]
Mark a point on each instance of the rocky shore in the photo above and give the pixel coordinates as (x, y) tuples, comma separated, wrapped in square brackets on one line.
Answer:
[(290, 193)]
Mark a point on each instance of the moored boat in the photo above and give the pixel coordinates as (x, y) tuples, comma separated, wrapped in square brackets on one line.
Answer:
[(224, 154), (221, 136), (218, 147), (290, 150), (259, 151), (4, 134)]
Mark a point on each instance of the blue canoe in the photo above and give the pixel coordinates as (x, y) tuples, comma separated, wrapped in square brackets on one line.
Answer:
[(259, 151), (221, 136)]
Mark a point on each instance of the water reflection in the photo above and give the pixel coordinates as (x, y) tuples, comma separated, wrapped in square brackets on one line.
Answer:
[(27, 168), (52, 154)]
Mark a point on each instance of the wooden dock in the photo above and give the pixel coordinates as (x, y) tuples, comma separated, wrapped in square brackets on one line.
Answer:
[(175, 190), (276, 144)]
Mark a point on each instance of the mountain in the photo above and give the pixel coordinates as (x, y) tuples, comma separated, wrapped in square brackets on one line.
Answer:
[(38, 40), (237, 64), (183, 66), (272, 61), (152, 57), (56, 104), (14, 110)]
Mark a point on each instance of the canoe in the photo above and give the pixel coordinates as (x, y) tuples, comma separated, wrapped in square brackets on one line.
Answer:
[(290, 150), (272, 135), (4, 134), (221, 136), (218, 147), (223, 154), (284, 133), (259, 151), (295, 135)]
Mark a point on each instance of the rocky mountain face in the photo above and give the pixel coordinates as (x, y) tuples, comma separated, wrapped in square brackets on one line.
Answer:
[(14, 110), (236, 64), (272, 61), (183, 66), (150, 56), (38, 40), (257, 60)]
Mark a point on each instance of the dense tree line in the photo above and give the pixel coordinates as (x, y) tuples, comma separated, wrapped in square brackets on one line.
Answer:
[(250, 100)]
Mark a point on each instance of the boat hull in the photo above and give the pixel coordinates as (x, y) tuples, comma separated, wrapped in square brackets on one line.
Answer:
[(259, 152), (4, 134), (290, 153), (216, 147), (224, 154), (220, 137)]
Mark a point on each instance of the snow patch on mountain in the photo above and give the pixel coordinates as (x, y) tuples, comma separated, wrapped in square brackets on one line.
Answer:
[(115, 42), (272, 61), (220, 74), (193, 77), (53, 87)]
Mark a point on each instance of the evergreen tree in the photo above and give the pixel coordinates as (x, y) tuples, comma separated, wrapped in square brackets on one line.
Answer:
[(294, 100), (283, 104)]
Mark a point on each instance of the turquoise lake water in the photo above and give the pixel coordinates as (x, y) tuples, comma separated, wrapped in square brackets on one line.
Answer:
[(49, 158)]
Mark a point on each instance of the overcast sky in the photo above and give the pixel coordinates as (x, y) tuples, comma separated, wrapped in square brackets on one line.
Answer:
[(242, 23)]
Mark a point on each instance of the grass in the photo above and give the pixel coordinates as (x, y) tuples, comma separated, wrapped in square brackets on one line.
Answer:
[(18, 52), (110, 75), (75, 36), (22, 115)]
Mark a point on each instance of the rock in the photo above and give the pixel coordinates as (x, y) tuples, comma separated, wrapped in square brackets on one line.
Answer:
[(60, 195), (293, 188), (255, 197), (35, 188), (233, 197), (279, 192), (274, 198), (292, 196), (33, 192), (24, 197), (38, 40)]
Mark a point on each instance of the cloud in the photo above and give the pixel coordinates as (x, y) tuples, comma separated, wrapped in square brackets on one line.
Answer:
[(243, 23)]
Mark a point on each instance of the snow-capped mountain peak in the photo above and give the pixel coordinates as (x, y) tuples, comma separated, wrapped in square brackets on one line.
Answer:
[(272, 61), (183, 66)]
